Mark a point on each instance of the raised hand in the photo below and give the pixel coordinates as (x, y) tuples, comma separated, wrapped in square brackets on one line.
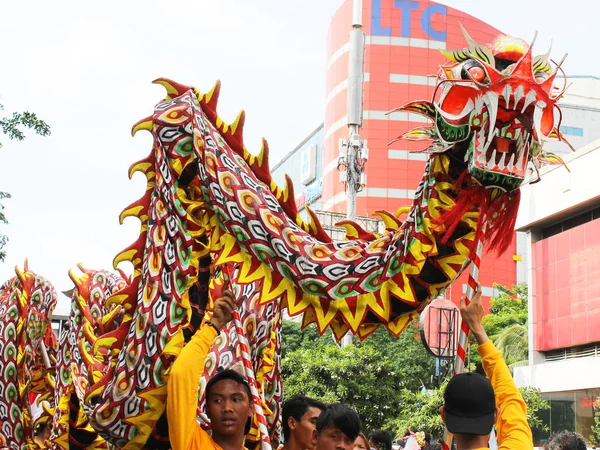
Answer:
[(223, 310), (473, 315)]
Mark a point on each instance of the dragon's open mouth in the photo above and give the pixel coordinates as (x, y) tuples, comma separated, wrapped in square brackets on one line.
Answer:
[(506, 152), (503, 132)]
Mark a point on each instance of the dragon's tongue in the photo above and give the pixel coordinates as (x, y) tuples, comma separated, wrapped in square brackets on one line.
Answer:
[(502, 145)]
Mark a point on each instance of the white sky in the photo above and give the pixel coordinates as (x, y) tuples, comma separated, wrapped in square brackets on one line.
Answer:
[(86, 69)]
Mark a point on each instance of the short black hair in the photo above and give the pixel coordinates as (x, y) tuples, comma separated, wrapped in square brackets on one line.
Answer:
[(381, 438), (296, 407), (341, 417), (228, 374), (566, 440)]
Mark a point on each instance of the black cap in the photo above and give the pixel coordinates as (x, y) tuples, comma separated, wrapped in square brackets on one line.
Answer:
[(469, 404)]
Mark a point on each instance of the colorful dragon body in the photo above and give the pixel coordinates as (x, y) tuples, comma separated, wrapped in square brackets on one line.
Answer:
[(28, 352), (211, 207), (91, 316)]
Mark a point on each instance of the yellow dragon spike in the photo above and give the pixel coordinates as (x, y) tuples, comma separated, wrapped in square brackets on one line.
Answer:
[(173, 88), (145, 165), (145, 124)]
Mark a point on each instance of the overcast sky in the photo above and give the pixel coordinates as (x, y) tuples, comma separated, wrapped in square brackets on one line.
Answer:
[(86, 68)]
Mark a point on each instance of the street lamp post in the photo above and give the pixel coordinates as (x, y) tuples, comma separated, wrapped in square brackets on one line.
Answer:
[(353, 151)]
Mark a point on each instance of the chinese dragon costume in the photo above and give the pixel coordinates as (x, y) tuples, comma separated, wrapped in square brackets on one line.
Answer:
[(28, 352), (212, 214)]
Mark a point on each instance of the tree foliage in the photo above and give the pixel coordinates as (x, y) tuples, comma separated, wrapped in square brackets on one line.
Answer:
[(508, 308), (419, 411), (11, 127), (407, 354), (357, 376), (3, 238), (369, 376), (295, 338), (535, 403), (513, 342), (596, 425), (506, 325)]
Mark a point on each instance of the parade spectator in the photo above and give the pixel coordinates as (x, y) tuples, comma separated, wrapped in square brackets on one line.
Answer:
[(473, 403), (337, 428), (299, 417), (42, 433), (381, 440), (361, 442), (42, 422), (228, 396), (433, 447), (566, 440)]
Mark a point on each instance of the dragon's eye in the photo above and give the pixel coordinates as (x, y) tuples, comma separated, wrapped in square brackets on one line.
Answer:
[(477, 73), (473, 70)]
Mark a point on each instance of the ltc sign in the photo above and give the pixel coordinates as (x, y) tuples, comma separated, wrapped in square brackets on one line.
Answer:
[(406, 8)]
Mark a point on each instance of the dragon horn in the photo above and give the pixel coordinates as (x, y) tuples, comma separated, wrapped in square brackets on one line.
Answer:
[(540, 62), (20, 274), (478, 50)]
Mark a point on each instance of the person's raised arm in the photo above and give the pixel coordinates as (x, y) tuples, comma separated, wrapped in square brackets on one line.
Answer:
[(513, 430), (184, 377)]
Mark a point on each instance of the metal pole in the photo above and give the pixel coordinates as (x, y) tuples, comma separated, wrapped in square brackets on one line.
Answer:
[(354, 114), (463, 337)]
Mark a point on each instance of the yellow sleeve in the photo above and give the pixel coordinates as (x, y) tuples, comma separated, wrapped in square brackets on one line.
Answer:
[(513, 431), (182, 393)]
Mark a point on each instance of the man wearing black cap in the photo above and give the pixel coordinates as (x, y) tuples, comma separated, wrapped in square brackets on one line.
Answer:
[(473, 403)]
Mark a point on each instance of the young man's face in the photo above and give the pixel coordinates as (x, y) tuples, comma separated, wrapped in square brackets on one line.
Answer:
[(304, 431), (228, 408), (331, 438)]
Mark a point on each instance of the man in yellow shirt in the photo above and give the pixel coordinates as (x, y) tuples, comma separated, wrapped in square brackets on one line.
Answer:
[(228, 398), (473, 403)]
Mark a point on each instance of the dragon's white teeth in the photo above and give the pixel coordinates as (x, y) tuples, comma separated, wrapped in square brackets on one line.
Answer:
[(518, 164), (511, 162), (492, 161), (491, 102), (478, 105), (506, 93), (501, 163), (537, 119), (481, 135), (519, 94), (529, 99), (519, 157), (481, 157)]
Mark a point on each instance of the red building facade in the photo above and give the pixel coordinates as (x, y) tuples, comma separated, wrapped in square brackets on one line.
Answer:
[(402, 43), (567, 286)]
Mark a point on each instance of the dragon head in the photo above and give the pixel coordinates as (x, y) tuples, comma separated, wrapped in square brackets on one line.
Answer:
[(495, 104)]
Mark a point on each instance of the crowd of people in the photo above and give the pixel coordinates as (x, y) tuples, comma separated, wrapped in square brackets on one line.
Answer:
[(473, 405)]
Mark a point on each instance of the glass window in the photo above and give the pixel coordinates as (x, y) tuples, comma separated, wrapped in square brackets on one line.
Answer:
[(571, 411), (572, 131)]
